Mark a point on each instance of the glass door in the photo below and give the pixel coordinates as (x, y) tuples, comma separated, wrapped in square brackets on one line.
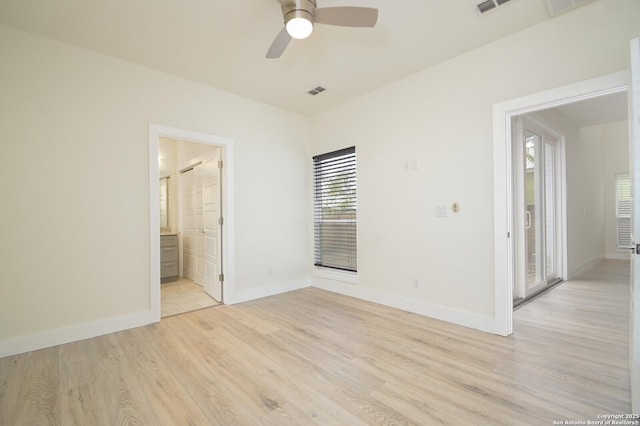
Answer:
[(534, 234), (537, 213)]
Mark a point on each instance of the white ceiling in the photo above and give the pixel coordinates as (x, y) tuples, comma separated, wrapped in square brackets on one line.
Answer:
[(222, 43)]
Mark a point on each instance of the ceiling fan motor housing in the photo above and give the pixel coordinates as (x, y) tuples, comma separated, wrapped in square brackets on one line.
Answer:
[(301, 15), (298, 9)]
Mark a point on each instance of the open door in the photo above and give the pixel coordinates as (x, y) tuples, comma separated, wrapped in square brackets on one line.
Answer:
[(192, 237), (212, 226), (202, 229), (634, 168)]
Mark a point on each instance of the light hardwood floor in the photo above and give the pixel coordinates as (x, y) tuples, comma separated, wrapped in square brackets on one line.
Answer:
[(313, 357), (182, 296)]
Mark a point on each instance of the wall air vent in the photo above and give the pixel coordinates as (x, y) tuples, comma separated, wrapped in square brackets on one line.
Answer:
[(316, 90), (487, 5), (559, 6)]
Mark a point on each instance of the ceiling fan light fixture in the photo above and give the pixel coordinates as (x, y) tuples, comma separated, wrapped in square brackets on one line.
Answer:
[(299, 24), (300, 16)]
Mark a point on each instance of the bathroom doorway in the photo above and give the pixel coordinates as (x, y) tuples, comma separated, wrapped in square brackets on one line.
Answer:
[(191, 173), (191, 266)]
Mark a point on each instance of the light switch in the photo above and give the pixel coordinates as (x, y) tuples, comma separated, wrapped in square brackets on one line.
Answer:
[(410, 165), (441, 211)]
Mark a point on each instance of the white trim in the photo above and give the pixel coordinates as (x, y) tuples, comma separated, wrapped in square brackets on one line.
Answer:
[(619, 255), (336, 275), (269, 290), (73, 333), (443, 313), (634, 145), (579, 270), (154, 226), (502, 174), (157, 131)]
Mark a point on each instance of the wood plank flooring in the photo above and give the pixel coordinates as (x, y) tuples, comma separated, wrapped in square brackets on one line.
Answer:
[(313, 357)]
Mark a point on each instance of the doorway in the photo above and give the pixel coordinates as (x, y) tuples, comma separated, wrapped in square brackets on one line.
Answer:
[(539, 237), (193, 200), (217, 211), (504, 217)]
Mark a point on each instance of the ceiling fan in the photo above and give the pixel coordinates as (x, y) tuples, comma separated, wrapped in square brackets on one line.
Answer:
[(300, 15)]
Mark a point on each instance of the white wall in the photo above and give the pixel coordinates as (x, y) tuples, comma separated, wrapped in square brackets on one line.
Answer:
[(585, 202), (585, 193), (593, 155), (615, 140), (442, 117), (75, 188), (600, 153)]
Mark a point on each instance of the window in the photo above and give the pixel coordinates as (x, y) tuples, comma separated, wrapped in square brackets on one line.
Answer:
[(335, 225), (623, 211)]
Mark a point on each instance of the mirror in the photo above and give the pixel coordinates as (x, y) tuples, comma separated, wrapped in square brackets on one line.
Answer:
[(164, 203)]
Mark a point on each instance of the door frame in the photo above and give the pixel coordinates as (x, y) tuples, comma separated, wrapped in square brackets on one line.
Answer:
[(634, 143), (156, 131), (503, 177)]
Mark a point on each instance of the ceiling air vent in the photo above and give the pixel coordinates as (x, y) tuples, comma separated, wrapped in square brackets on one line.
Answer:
[(559, 6), (316, 90), (487, 5)]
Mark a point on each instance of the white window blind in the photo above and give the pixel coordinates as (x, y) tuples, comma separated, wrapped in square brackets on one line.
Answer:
[(335, 208), (623, 210)]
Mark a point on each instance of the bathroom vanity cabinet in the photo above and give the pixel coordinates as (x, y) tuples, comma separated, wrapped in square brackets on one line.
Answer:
[(168, 257)]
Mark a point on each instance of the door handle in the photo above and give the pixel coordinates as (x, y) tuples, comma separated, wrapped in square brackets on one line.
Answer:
[(527, 220)]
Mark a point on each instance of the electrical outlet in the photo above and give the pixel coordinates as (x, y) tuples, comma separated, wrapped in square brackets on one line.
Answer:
[(416, 283)]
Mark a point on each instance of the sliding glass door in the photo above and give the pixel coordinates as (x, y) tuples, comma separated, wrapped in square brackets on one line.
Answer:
[(537, 208)]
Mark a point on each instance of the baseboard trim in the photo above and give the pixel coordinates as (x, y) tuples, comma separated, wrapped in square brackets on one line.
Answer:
[(443, 313), (576, 272), (73, 333), (76, 332), (619, 255), (268, 290)]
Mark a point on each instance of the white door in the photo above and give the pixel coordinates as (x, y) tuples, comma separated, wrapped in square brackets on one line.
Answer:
[(193, 238), (537, 213), (186, 225), (211, 224), (634, 124)]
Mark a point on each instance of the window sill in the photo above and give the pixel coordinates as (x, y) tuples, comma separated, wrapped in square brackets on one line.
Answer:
[(336, 275)]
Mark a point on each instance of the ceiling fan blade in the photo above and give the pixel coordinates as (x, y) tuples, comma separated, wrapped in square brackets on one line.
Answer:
[(347, 16), (279, 44)]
